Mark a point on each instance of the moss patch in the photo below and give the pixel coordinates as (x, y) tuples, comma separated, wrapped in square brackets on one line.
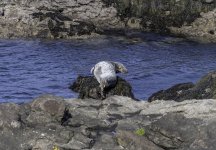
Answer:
[(140, 132)]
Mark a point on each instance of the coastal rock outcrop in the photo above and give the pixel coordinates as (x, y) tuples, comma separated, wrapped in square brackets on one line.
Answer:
[(201, 29), (205, 88), (193, 19), (88, 87), (82, 19), (50, 122), (54, 19)]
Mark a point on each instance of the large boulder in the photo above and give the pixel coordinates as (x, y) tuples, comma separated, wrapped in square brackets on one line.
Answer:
[(43, 110), (205, 88), (88, 87)]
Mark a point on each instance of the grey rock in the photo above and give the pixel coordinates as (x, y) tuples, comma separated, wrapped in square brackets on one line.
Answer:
[(112, 123), (106, 141), (44, 109), (9, 117), (79, 141), (129, 140)]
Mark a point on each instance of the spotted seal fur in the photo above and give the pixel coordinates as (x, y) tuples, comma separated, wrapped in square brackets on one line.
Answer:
[(105, 73)]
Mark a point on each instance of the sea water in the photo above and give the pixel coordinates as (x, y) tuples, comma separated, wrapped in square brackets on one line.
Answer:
[(29, 68)]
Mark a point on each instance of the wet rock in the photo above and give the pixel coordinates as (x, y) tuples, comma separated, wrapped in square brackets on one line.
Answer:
[(173, 93), (205, 88), (88, 87)]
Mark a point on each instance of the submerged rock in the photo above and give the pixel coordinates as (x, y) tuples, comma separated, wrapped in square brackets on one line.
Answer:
[(205, 88), (88, 87)]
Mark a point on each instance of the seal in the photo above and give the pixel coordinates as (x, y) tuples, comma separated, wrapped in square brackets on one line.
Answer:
[(105, 73)]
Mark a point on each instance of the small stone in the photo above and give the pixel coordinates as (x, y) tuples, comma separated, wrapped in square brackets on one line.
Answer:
[(15, 124)]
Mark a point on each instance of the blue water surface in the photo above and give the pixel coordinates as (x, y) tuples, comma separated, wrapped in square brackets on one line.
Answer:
[(29, 68)]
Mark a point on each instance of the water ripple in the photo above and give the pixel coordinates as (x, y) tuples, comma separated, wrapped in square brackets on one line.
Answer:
[(29, 68)]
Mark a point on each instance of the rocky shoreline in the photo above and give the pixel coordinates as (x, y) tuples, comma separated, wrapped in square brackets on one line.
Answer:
[(50, 123), (118, 122), (69, 19)]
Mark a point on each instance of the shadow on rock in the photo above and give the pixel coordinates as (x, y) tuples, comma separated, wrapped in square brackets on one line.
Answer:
[(88, 87), (205, 88)]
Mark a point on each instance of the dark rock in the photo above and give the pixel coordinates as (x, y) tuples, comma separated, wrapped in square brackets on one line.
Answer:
[(88, 87), (61, 25), (158, 15), (82, 28), (173, 93), (205, 88)]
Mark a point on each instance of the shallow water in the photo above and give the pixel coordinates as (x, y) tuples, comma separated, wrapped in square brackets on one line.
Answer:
[(29, 68)]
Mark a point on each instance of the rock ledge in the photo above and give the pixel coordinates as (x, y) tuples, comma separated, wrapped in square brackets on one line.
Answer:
[(50, 122)]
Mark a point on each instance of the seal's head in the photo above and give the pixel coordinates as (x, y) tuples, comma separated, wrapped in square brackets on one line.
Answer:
[(120, 68)]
